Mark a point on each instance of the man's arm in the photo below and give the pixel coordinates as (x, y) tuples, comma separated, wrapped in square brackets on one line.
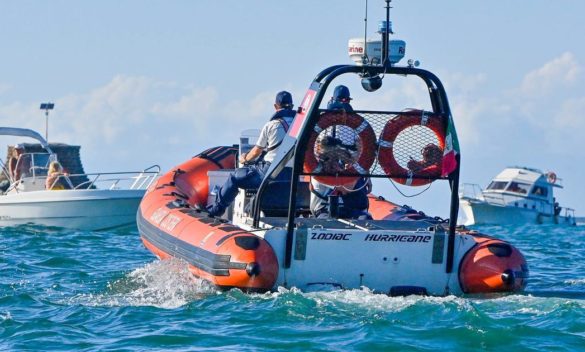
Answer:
[(251, 155)]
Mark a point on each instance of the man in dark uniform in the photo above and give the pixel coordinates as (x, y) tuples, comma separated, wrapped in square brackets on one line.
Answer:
[(355, 199), (340, 99)]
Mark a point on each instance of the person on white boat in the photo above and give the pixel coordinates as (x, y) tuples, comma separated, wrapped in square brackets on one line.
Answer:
[(18, 166), (56, 178), (354, 197), (258, 159)]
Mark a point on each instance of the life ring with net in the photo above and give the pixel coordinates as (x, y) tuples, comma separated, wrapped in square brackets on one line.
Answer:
[(342, 147), (395, 153)]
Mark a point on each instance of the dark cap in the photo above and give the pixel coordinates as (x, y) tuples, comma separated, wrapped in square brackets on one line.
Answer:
[(283, 99), (341, 93)]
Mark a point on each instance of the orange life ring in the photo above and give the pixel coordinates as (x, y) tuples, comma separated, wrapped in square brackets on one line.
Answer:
[(551, 177), (367, 138), (386, 156)]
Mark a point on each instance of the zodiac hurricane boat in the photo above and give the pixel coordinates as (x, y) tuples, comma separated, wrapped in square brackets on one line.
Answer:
[(268, 239)]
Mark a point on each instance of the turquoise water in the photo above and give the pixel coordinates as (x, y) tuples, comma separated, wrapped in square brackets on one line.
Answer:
[(67, 290)]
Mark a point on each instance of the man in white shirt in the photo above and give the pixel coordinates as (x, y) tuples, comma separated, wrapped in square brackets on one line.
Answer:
[(251, 175)]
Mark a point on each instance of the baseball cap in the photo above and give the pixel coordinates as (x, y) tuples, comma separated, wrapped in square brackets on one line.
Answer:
[(19, 146), (341, 92), (283, 98)]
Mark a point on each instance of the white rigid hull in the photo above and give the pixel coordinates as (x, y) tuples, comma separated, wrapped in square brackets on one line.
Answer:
[(479, 213), (76, 209), (382, 260)]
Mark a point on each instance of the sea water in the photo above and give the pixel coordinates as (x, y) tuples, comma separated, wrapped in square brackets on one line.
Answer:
[(90, 291)]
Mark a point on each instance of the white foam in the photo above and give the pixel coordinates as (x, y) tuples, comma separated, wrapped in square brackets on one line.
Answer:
[(164, 284), (575, 282), (364, 298)]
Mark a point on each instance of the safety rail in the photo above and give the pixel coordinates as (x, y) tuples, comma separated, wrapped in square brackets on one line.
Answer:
[(471, 191), (569, 212), (116, 180)]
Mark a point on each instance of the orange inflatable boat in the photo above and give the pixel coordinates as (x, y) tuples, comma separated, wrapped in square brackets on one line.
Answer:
[(242, 256), (268, 238)]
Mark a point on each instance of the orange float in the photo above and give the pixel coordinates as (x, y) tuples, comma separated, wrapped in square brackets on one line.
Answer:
[(367, 138), (216, 251), (426, 173), (492, 266)]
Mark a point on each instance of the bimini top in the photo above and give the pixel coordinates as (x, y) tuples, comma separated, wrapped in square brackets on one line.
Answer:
[(25, 132), (519, 173)]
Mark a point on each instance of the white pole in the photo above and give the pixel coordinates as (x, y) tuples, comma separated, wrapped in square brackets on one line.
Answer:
[(47, 125)]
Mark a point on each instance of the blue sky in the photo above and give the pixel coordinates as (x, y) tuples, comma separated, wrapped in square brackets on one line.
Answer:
[(137, 83)]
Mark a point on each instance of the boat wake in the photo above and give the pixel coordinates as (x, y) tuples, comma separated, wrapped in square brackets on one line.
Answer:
[(164, 284)]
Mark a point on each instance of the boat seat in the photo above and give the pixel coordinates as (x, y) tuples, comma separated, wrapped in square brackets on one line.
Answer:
[(276, 196)]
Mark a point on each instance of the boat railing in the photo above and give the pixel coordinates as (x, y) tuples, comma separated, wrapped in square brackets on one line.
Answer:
[(130, 180), (569, 212), (471, 191)]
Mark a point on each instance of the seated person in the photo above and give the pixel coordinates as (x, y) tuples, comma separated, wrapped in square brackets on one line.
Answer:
[(251, 175), (432, 155), (336, 152), (354, 200), (56, 178)]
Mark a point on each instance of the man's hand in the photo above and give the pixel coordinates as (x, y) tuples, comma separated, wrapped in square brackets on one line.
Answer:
[(251, 155)]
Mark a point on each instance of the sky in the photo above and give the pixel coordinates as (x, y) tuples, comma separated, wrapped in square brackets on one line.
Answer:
[(137, 83)]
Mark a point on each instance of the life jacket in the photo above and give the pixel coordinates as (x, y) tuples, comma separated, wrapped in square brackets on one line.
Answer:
[(339, 105), (280, 116)]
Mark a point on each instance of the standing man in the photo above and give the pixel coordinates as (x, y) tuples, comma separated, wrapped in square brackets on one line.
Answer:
[(18, 167), (251, 175)]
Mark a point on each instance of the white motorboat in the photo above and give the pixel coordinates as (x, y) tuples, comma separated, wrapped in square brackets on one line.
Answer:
[(516, 195), (96, 201)]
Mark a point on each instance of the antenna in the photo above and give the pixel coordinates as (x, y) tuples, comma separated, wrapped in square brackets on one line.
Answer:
[(386, 31), (47, 107), (365, 56)]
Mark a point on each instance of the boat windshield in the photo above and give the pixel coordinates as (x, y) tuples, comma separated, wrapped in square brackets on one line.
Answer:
[(497, 185), (34, 164), (518, 187)]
